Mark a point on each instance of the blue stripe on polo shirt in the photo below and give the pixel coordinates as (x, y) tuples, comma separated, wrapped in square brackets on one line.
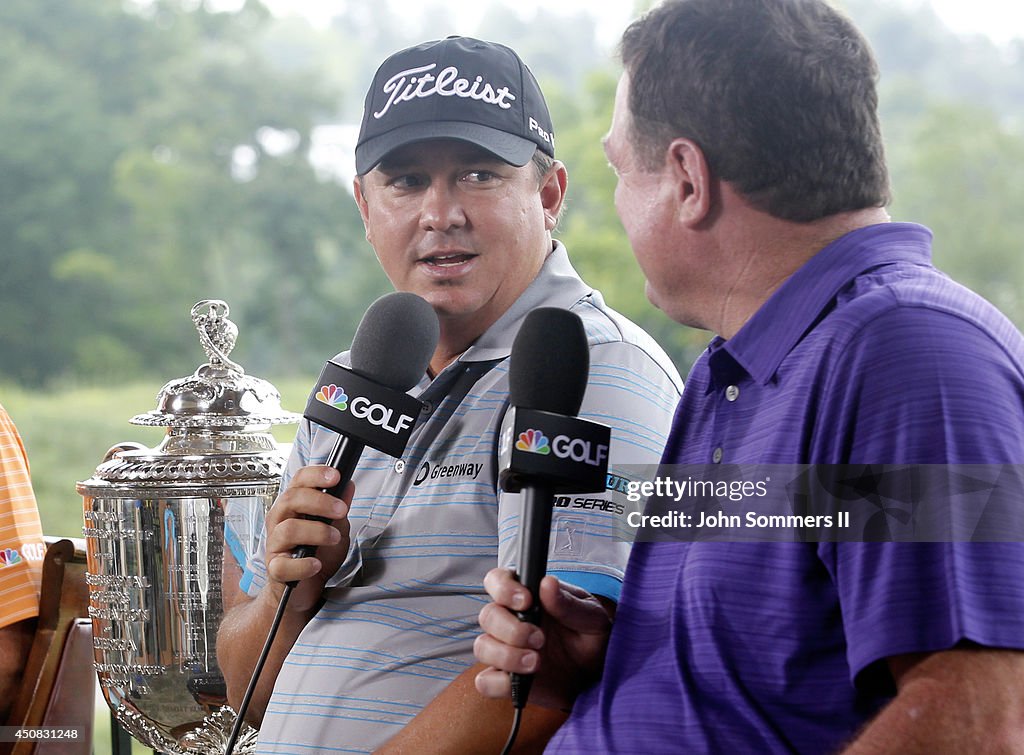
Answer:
[(318, 657), (265, 747), (445, 665), (595, 584)]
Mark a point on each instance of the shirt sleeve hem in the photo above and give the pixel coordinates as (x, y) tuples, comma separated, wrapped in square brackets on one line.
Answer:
[(596, 584)]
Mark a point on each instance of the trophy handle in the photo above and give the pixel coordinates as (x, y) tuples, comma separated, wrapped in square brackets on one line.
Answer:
[(125, 445)]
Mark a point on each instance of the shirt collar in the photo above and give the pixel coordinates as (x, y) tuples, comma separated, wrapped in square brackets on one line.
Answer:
[(778, 326), (556, 285)]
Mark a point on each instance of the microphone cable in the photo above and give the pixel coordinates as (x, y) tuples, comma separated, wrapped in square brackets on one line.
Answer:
[(517, 719), (521, 684), (343, 457), (243, 708), (390, 352)]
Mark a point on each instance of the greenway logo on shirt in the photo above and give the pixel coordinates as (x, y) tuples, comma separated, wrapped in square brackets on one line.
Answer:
[(428, 471)]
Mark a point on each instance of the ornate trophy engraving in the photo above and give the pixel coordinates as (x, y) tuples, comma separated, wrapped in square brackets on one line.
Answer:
[(157, 522)]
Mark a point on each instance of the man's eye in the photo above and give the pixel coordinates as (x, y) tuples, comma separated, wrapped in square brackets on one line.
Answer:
[(479, 176), (405, 182)]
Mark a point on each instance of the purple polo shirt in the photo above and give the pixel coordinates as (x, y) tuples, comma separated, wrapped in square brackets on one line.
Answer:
[(867, 354)]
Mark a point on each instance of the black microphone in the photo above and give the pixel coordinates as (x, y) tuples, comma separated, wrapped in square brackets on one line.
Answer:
[(545, 448), (367, 404)]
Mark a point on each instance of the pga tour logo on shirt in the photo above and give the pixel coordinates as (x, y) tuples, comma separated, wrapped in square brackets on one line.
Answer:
[(362, 408)]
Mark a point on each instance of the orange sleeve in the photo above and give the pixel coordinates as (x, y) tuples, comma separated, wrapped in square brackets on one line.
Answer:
[(21, 534)]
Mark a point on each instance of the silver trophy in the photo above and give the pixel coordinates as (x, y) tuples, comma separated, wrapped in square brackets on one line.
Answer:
[(155, 527)]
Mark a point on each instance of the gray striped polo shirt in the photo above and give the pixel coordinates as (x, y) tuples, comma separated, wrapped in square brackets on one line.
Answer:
[(400, 614)]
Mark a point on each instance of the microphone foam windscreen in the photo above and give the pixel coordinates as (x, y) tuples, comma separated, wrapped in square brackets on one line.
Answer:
[(395, 340), (550, 362)]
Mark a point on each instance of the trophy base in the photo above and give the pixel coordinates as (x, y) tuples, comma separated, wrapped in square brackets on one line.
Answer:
[(208, 738)]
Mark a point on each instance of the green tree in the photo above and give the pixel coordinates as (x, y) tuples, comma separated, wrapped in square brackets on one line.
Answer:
[(961, 173), (138, 174)]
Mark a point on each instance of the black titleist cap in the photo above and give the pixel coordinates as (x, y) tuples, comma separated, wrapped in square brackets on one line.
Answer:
[(455, 88)]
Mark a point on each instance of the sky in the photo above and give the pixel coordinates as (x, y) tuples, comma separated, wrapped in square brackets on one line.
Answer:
[(1002, 20)]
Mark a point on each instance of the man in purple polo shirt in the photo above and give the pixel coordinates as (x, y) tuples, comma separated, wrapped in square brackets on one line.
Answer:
[(752, 185)]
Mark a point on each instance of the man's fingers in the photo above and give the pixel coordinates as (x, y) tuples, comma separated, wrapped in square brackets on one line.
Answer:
[(305, 502), (505, 590), (492, 652), (287, 569), (573, 607), (506, 627), (316, 476), (493, 683), (304, 497), (293, 532)]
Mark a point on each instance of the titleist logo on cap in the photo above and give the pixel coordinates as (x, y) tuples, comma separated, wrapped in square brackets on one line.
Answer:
[(406, 86), (458, 88)]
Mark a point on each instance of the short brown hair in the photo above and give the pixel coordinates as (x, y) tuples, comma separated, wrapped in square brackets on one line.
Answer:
[(780, 95)]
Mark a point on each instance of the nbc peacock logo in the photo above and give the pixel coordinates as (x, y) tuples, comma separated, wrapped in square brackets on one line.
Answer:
[(533, 441), (333, 395), (9, 557)]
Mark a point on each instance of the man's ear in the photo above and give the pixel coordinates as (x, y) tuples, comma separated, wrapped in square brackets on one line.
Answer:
[(552, 193), (691, 176), (364, 210)]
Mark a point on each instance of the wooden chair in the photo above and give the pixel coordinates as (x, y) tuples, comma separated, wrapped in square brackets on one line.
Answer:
[(58, 687)]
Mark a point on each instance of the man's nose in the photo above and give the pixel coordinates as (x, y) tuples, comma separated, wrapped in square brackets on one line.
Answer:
[(442, 208)]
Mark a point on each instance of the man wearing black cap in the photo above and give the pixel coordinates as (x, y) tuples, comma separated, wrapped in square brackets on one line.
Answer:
[(459, 192)]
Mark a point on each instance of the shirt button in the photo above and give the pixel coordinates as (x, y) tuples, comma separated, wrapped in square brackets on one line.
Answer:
[(427, 408), (399, 466), (732, 393), (716, 455)]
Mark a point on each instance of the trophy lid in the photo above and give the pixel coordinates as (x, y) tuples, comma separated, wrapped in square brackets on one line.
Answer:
[(218, 394)]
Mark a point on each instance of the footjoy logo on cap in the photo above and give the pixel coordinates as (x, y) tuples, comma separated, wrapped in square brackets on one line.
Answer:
[(417, 83)]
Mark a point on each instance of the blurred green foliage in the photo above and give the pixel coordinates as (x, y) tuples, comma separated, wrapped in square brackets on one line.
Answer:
[(153, 154)]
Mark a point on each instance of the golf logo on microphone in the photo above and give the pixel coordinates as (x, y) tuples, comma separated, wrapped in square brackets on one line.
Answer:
[(534, 442), (352, 405), (333, 395), (578, 449), (375, 414), (568, 453)]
